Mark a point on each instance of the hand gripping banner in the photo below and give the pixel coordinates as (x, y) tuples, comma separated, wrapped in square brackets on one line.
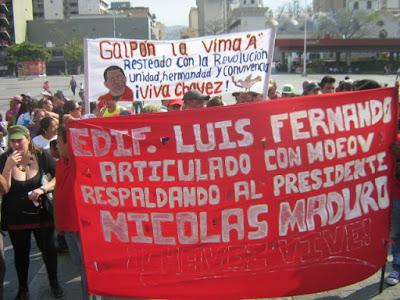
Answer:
[(267, 199)]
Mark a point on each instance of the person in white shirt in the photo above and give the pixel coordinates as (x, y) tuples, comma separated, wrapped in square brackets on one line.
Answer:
[(47, 132)]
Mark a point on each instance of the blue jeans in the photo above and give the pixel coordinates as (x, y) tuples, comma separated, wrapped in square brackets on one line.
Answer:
[(395, 235), (138, 106), (75, 251)]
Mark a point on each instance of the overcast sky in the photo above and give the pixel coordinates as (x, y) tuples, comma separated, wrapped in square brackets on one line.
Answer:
[(176, 12)]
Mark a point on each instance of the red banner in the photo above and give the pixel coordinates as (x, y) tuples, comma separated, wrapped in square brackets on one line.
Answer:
[(275, 198)]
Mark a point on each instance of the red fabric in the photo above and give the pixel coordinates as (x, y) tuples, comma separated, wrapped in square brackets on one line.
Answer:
[(285, 235), (175, 102), (126, 96), (66, 218)]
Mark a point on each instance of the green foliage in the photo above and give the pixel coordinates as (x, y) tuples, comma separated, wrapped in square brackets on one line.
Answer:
[(26, 51), (74, 51)]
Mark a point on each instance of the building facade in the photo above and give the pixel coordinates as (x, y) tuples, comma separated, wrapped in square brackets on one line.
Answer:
[(60, 9), (54, 34), (212, 16), (363, 4), (248, 15), (120, 5), (369, 5), (22, 12), (194, 21), (159, 31), (14, 15), (328, 5)]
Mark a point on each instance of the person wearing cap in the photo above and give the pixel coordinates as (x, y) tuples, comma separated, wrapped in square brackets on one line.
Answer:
[(312, 89), (175, 104), (21, 215), (115, 81), (193, 99), (288, 91)]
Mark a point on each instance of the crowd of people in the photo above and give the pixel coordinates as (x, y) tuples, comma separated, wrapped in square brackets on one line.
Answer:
[(37, 150)]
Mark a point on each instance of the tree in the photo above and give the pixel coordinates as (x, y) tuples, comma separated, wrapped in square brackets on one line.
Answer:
[(26, 51), (349, 23), (291, 9), (73, 53)]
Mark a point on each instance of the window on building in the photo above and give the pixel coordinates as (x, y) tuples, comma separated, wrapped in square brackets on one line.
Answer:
[(244, 2), (369, 4), (57, 53), (355, 5), (253, 1)]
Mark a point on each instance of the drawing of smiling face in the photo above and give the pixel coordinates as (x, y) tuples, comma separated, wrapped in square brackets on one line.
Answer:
[(115, 82)]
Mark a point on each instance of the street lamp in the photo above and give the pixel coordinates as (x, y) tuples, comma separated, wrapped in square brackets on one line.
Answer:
[(305, 40), (113, 14), (305, 48), (294, 22)]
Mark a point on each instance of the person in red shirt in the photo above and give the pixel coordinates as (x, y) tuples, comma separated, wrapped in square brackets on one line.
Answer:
[(46, 86), (66, 217), (115, 81)]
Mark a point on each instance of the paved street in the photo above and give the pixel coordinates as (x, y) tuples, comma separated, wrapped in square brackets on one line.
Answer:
[(367, 289)]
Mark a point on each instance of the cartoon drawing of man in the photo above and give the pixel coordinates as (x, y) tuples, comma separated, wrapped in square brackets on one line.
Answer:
[(115, 81)]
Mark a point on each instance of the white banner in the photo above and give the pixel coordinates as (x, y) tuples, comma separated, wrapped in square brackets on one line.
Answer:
[(153, 70)]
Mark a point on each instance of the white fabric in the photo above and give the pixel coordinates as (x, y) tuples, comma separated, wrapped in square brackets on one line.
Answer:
[(220, 64), (41, 142), (24, 119)]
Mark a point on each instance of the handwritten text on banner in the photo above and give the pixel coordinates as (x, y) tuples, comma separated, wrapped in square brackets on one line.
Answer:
[(232, 202), (155, 70)]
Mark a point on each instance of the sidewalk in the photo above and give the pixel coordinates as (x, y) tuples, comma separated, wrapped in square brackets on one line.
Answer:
[(70, 281)]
